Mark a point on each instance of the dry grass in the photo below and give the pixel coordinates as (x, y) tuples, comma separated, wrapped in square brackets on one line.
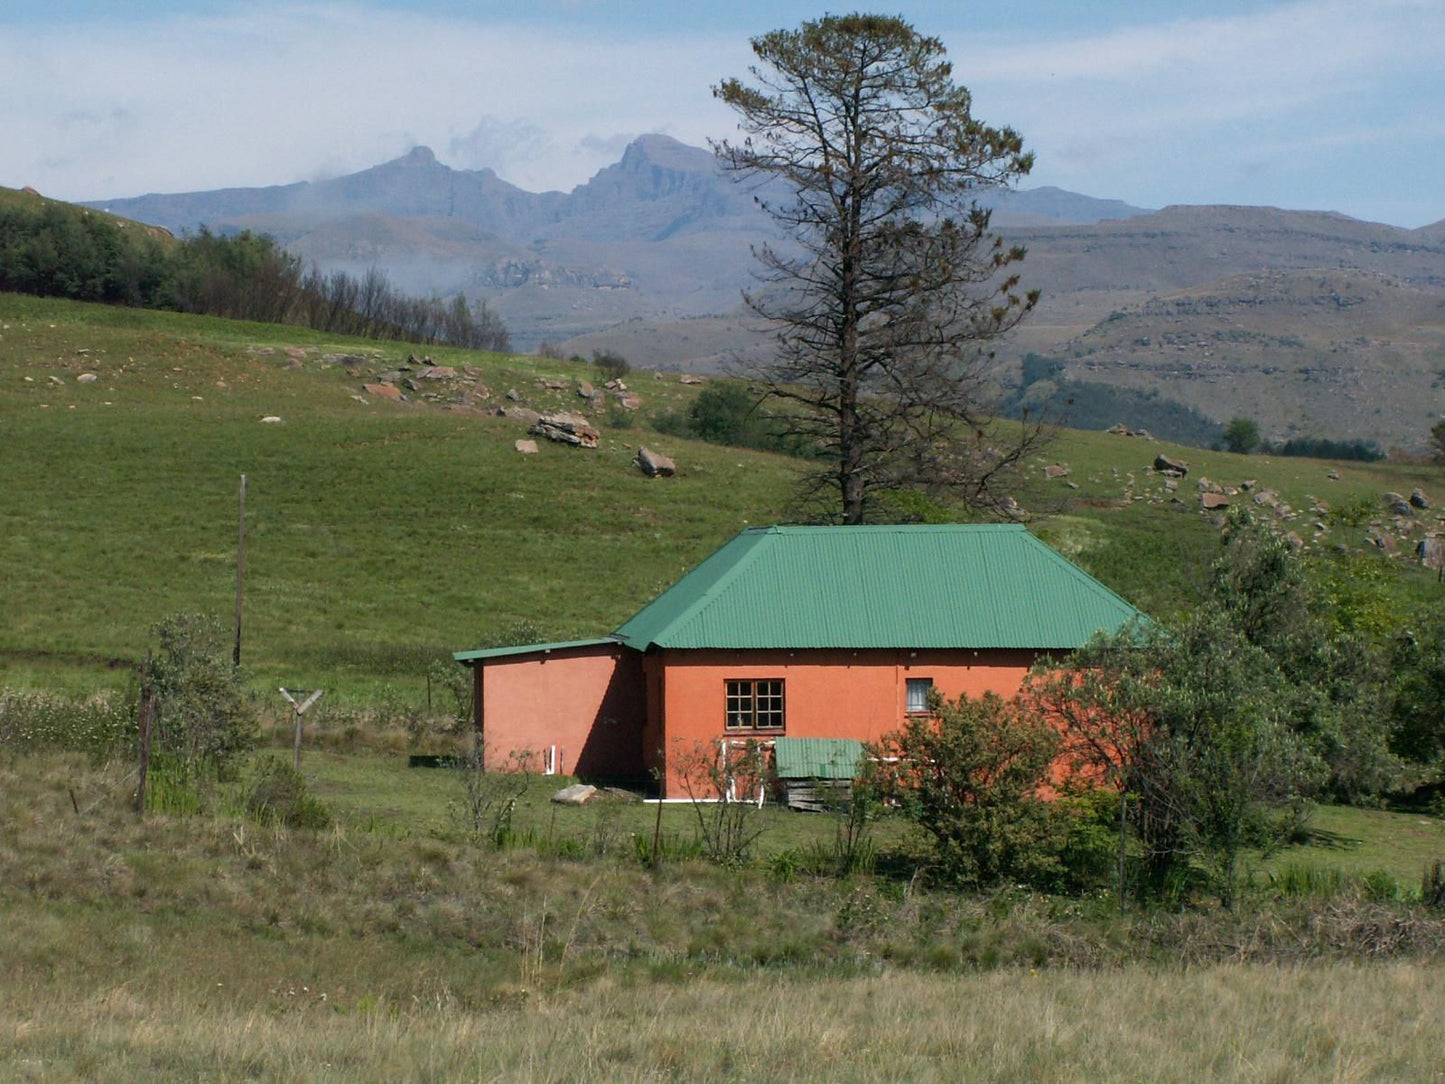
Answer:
[(1225, 1022), (207, 947)]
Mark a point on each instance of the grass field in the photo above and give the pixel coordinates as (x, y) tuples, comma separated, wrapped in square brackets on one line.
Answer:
[(392, 947), (382, 536)]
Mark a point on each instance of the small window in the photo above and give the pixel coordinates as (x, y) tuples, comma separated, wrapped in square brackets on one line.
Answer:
[(755, 705), (918, 690)]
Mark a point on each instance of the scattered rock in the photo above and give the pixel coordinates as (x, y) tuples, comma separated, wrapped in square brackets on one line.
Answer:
[(1266, 497), (629, 400), (514, 395), (55, 379), (1170, 485), (1212, 501), (554, 385), (585, 389), (1386, 542), (481, 393), (526, 447), (1204, 485), (1072, 485), (576, 794), (410, 385), (1431, 551), (654, 464), (271, 419), (1333, 476), (525, 415), (1165, 465), (1398, 504), (688, 378), (86, 378), (1296, 543), (615, 385), (567, 429), (1056, 470), (1010, 507), (384, 391), (438, 372), (297, 352), (1418, 499)]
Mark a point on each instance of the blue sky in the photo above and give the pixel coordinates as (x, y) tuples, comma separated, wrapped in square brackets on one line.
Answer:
[(1321, 104)]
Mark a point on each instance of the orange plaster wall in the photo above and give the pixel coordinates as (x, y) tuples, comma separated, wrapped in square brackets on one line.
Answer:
[(827, 694), (588, 701)]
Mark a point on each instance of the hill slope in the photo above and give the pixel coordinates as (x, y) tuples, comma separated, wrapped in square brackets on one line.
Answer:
[(383, 535)]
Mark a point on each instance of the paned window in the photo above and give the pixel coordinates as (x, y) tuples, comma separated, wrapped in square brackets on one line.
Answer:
[(754, 704), (918, 690)]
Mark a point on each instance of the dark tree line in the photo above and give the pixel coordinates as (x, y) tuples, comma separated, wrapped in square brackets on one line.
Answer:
[(64, 251)]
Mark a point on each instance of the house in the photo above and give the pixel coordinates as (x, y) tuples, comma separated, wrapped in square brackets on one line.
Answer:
[(799, 632)]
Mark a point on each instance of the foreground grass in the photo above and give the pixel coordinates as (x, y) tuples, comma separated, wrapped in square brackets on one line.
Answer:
[(391, 946), (1225, 1022)]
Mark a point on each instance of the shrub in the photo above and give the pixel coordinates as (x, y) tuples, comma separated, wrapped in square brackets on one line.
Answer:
[(610, 365), (202, 718), (99, 726), (278, 795), (971, 778)]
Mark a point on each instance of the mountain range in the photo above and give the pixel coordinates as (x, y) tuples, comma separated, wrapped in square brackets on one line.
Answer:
[(1311, 322)]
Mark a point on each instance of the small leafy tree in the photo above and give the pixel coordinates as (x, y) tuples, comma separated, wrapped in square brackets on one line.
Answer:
[(1192, 723), (611, 365), (203, 722), (1241, 436), (971, 777)]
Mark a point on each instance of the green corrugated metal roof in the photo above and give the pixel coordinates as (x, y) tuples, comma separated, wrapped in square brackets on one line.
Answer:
[(916, 586), (817, 758), (528, 649)]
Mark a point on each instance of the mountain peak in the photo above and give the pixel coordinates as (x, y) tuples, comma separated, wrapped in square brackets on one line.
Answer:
[(418, 156), (657, 149)]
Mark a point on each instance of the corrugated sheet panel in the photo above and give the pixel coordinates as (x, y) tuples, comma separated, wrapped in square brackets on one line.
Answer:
[(961, 585), (817, 758), (529, 649)]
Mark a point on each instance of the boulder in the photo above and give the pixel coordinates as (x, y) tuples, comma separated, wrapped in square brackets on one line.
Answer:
[(585, 389), (383, 391), (270, 419), (1418, 499), (1056, 470), (654, 464), (438, 372), (566, 429), (86, 378), (1398, 504), (1165, 465), (1211, 501), (526, 447), (554, 385), (688, 378), (576, 794)]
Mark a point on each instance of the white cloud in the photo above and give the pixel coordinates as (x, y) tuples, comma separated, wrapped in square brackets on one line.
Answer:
[(1270, 106), (267, 96)]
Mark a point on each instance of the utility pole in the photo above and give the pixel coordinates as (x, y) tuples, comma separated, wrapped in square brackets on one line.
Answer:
[(240, 570)]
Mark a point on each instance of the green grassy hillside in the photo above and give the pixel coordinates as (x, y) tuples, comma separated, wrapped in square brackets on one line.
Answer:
[(384, 534)]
